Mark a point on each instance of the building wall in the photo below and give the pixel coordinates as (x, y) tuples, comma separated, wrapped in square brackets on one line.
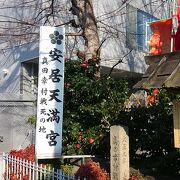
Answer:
[(11, 61), (15, 132), (114, 28)]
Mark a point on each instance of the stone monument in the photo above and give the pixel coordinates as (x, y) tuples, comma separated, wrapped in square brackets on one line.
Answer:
[(119, 141)]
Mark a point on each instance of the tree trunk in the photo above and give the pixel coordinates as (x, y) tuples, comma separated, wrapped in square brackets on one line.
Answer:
[(83, 9)]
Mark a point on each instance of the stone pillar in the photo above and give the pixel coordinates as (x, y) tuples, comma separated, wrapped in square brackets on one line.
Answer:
[(119, 153)]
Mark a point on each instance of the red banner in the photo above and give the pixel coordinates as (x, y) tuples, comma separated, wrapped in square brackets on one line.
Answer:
[(164, 37), (160, 41)]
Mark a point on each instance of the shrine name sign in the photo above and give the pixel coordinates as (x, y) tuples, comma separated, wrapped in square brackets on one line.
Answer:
[(50, 93)]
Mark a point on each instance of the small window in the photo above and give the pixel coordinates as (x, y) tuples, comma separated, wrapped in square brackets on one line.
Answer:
[(29, 77), (138, 31)]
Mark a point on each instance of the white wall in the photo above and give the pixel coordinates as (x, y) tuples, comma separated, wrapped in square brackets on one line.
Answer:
[(15, 49), (14, 130), (114, 47)]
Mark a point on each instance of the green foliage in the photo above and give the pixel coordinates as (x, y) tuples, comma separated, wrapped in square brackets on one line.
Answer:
[(151, 135), (90, 106), (66, 167), (136, 175), (32, 120)]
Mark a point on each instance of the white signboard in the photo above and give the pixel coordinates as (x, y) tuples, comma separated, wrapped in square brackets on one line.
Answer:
[(50, 92)]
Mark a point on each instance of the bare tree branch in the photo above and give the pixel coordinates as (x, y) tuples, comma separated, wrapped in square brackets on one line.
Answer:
[(120, 61)]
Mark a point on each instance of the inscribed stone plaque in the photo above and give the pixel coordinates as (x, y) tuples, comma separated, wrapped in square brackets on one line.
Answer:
[(119, 141)]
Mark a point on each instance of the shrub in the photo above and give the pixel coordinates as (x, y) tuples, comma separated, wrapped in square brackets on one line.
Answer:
[(91, 104), (67, 168), (151, 134), (27, 153), (135, 175), (92, 171)]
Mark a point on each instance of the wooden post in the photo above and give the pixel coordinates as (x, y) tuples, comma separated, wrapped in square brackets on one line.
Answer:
[(176, 119)]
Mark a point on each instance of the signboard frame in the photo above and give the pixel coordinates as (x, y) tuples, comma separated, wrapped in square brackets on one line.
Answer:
[(50, 93)]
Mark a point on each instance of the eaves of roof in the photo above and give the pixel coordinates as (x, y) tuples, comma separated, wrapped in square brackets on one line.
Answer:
[(163, 70)]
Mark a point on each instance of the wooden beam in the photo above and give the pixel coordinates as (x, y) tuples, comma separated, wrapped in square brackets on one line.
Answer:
[(173, 79)]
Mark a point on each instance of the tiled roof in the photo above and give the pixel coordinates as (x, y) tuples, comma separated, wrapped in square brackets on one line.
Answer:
[(163, 70)]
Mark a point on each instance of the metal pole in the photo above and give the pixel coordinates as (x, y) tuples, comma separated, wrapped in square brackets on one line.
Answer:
[(174, 23)]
